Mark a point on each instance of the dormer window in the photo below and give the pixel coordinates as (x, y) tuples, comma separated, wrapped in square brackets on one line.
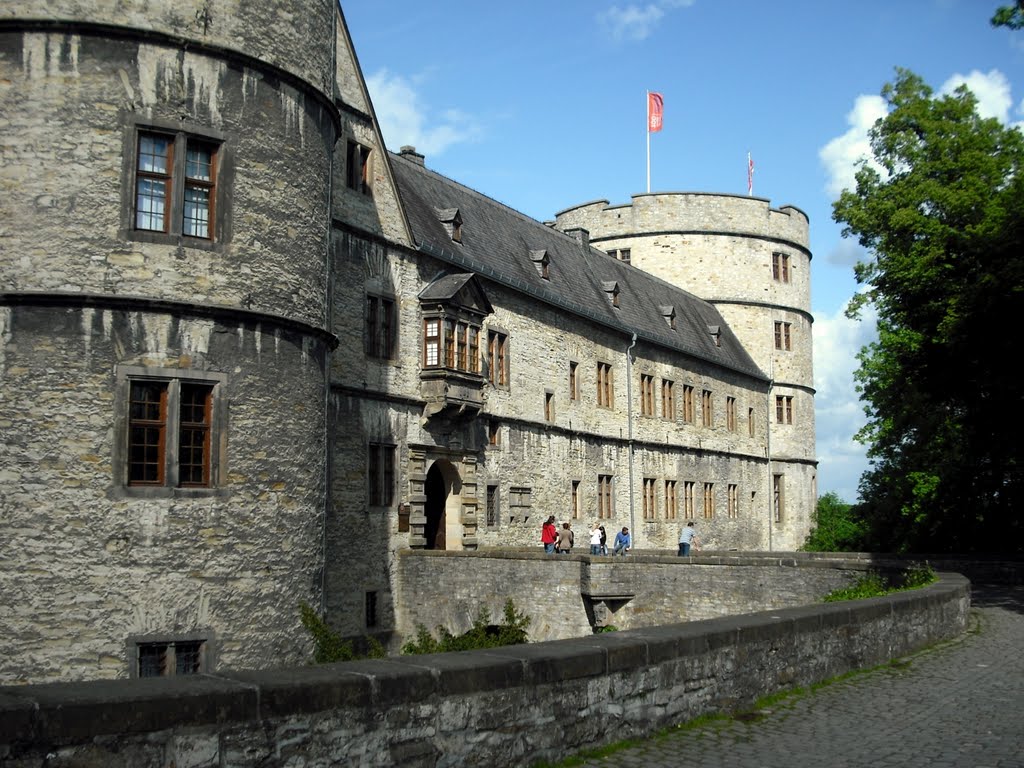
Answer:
[(611, 288), (669, 313), (716, 334), (452, 220), (541, 261)]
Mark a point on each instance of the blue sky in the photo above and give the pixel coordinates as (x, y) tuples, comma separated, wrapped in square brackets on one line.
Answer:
[(542, 107)]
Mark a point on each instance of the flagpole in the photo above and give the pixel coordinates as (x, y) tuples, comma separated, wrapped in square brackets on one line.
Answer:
[(647, 130)]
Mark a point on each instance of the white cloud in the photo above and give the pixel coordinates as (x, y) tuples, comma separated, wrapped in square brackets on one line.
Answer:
[(637, 22), (838, 411), (992, 90), (841, 154), (404, 119)]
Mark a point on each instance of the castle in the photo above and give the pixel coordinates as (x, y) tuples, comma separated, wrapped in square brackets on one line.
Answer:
[(248, 355)]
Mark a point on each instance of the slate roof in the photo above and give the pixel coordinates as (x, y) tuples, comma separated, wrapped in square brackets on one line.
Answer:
[(498, 244)]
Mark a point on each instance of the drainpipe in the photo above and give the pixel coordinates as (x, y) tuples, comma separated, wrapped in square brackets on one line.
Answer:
[(629, 426), (768, 448)]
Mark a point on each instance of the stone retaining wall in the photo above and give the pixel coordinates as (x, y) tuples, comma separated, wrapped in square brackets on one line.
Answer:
[(507, 706)]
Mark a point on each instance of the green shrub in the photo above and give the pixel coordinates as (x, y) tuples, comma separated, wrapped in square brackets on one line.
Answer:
[(328, 645), (483, 634), (873, 584)]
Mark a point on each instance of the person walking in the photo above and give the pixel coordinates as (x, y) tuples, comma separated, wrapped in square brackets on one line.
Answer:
[(622, 542), (687, 539), (549, 535)]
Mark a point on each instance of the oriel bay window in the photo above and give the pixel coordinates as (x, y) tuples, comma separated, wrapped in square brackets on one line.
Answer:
[(175, 187), (171, 429), (461, 344)]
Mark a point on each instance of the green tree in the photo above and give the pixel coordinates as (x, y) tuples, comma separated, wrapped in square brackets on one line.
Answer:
[(1011, 16), (940, 212), (836, 527)]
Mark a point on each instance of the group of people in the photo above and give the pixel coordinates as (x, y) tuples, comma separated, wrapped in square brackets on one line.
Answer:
[(561, 542)]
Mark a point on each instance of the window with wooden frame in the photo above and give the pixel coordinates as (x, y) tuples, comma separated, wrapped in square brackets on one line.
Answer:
[(448, 342), (730, 413), (549, 406), (380, 327), (671, 508), (431, 342), (357, 175), (380, 473), (784, 409), (168, 658), (574, 382), (706, 409), (492, 509), (780, 267), (605, 499), (778, 498), (605, 390), (175, 189), (646, 395), (734, 500), (497, 358), (782, 336), (709, 500), (170, 428), (650, 507), (687, 404), (688, 490), (668, 399), (574, 500), (494, 432), (751, 424)]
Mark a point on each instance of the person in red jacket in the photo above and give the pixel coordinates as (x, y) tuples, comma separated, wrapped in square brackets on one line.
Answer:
[(549, 535)]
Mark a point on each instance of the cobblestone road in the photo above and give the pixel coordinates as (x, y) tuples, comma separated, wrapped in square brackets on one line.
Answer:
[(960, 705)]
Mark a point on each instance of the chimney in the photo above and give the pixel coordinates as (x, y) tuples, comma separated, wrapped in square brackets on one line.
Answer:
[(582, 236), (410, 154)]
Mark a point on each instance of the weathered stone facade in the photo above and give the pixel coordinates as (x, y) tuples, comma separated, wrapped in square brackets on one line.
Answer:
[(298, 304)]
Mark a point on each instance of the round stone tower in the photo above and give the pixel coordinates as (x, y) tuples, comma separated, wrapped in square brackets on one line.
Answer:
[(164, 236), (753, 263)]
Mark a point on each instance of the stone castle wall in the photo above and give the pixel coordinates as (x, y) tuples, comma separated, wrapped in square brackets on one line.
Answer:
[(491, 707)]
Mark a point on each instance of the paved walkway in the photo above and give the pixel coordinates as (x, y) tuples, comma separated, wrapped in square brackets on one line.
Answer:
[(957, 706)]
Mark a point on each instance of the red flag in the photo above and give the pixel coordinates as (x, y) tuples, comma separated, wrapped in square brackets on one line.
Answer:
[(655, 108), (750, 175)]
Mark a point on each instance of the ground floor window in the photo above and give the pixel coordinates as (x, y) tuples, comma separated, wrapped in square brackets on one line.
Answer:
[(170, 658)]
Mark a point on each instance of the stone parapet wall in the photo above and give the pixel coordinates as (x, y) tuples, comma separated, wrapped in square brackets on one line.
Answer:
[(494, 707)]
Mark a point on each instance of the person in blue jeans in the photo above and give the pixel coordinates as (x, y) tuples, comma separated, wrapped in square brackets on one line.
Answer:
[(687, 538), (595, 539), (622, 542)]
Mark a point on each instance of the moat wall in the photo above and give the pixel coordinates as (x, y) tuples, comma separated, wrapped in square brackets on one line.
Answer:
[(507, 706)]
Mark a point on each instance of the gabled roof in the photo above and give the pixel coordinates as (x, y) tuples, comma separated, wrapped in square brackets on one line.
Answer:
[(463, 289), (498, 244)]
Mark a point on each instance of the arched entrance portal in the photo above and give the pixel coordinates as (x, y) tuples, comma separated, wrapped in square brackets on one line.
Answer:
[(442, 508)]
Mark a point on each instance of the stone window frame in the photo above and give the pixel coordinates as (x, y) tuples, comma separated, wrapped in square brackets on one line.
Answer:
[(359, 167), (668, 399), (381, 338), (709, 501), (605, 496), (650, 503), (498, 367), (783, 336), (605, 385), (783, 409), (219, 207), (730, 413), (707, 408), (170, 487), (687, 404), (734, 500), (647, 394), (492, 505), (207, 647), (778, 496), (381, 458), (574, 380), (781, 267), (671, 500)]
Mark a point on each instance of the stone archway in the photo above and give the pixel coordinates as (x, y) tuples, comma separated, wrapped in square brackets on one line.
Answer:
[(442, 507)]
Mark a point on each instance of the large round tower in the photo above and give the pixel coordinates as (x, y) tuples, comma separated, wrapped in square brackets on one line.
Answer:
[(164, 232), (752, 262)]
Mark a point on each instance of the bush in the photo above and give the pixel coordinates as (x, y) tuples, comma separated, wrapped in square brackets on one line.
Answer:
[(328, 645), (483, 634), (873, 584)]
